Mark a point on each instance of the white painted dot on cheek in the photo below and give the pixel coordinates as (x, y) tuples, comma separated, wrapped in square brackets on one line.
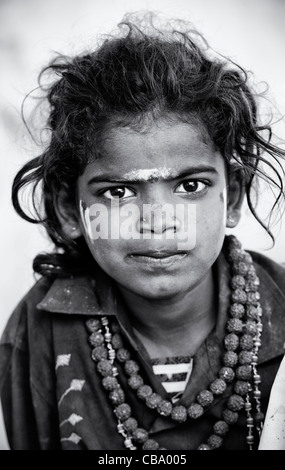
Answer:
[(224, 193), (85, 218)]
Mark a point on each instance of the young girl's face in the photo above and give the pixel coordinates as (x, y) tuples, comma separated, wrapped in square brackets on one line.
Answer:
[(153, 208)]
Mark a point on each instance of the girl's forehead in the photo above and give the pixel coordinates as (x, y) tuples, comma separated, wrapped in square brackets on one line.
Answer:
[(160, 136), (161, 151)]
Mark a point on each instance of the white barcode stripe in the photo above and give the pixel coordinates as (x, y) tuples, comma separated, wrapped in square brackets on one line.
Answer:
[(173, 387), (168, 369)]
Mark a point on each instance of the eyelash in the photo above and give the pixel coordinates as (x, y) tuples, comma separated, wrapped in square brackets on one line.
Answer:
[(103, 192), (206, 184)]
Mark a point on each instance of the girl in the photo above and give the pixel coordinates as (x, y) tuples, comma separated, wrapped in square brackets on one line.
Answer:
[(148, 328)]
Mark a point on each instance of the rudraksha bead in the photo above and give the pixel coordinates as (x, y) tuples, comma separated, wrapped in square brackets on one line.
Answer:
[(215, 441), (221, 428), (135, 381), (117, 396), (231, 342), (244, 372), (179, 414), (123, 355), (93, 324), (130, 425), (237, 282), (140, 435), (204, 447), (239, 296), (96, 339), (110, 383), (245, 357), (131, 367), (104, 367), (144, 391), (227, 374), (250, 327), (235, 403), (234, 325), (242, 387), (100, 352), (123, 411), (205, 398), (150, 444), (195, 411), (117, 341), (153, 400), (164, 408), (229, 416), (246, 342), (230, 358), (218, 386), (237, 310)]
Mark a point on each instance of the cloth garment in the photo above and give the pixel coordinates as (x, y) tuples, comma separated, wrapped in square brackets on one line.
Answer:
[(52, 395), (174, 373)]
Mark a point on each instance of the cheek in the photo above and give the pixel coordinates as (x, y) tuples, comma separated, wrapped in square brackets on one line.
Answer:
[(211, 217), (108, 254)]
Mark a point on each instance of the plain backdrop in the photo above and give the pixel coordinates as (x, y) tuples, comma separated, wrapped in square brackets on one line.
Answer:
[(251, 32)]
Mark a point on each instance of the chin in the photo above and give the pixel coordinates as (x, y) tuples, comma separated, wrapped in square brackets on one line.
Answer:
[(160, 291)]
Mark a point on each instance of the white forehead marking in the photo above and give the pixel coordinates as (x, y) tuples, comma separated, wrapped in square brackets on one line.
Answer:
[(146, 174)]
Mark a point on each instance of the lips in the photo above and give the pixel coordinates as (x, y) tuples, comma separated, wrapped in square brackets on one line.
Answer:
[(158, 253), (158, 258)]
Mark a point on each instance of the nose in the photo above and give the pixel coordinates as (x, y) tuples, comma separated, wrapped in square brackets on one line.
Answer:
[(158, 219)]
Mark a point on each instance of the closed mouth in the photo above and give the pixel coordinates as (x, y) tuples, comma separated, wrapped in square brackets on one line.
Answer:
[(157, 254), (158, 257)]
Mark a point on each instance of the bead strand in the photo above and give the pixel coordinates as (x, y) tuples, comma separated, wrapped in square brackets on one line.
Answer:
[(249, 422), (259, 416), (117, 395), (253, 326)]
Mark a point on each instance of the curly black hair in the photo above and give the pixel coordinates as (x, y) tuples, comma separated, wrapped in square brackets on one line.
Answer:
[(132, 77)]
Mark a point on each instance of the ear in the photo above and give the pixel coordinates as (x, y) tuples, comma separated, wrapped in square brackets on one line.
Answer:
[(68, 216), (236, 193)]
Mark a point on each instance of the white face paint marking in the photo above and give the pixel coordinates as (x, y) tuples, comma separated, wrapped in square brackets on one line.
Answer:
[(225, 206), (85, 219), (147, 174)]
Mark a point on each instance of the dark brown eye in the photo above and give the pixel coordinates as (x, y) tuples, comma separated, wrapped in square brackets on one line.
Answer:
[(118, 192), (191, 186)]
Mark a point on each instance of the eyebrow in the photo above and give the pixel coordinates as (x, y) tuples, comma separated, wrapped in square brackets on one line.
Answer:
[(106, 178)]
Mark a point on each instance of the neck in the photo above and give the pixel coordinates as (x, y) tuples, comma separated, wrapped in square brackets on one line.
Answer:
[(175, 326)]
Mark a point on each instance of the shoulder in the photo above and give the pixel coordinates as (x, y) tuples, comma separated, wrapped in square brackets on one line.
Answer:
[(16, 326), (272, 298), (47, 300), (268, 268)]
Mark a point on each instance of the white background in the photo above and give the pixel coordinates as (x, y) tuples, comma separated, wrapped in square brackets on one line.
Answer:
[(251, 32)]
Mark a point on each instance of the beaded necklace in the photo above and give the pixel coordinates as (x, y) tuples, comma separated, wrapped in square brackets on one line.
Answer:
[(240, 358)]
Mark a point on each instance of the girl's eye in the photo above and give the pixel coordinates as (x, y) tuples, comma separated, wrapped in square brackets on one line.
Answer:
[(191, 186), (118, 192)]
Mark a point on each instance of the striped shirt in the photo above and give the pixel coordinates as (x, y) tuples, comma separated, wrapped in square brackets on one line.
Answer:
[(174, 373)]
